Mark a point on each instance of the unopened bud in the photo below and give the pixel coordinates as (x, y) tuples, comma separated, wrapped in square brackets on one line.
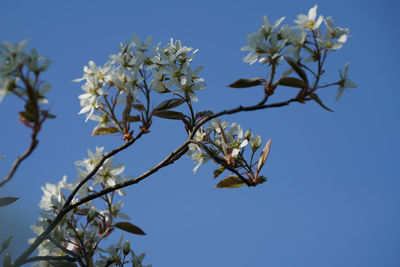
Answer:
[(247, 134), (127, 247), (7, 260), (91, 214)]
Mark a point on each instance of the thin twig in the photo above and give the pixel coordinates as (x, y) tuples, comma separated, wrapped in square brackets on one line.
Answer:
[(64, 249), (22, 258), (173, 156), (19, 159), (50, 258)]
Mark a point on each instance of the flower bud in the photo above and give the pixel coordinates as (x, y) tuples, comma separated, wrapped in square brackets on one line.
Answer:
[(127, 247), (247, 134), (91, 214)]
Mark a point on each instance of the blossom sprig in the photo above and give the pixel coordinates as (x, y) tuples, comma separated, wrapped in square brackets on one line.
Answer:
[(20, 76), (128, 79), (304, 47), (226, 145), (173, 73), (74, 235)]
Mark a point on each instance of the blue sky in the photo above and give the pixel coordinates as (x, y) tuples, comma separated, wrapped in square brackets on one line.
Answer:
[(332, 198)]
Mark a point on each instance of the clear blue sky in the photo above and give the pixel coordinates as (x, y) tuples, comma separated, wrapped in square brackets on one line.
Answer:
[(332, 198)]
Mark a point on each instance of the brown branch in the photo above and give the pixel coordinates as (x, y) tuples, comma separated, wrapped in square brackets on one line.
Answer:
[(50, 258), (22, 258), (173, 156), (64, 249), (19, 160)]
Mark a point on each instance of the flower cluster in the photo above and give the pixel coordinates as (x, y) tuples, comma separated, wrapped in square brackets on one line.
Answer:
[(128, 79), (267, 45), (172, 70), (226, 145), (74, 236), (303, 43), (20, 75)]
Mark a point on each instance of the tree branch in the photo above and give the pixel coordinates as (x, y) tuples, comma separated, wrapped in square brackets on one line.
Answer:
[(64, 249), (50, 258), (173, 156), (21, 259), (19, 159)]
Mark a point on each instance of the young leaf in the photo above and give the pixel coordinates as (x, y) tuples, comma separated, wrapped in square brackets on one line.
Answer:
[(302, 74), (170, 103), (264, 155), (169, 114), (202, 114), (244, 83), (292, 82), (139, 107), (105, 130), (134, 118), (5, 244), (232, 181), (4, 201), (130, 228), (218, 171), (318, 100)]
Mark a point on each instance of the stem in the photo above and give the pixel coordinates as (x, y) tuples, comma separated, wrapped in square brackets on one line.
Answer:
[(171, 158), (22, 258), (51, 258), (112, 114), (21, 158)]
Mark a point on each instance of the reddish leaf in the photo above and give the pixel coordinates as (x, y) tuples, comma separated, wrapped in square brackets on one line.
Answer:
[(4, 201), (244, 83), (130, 228)]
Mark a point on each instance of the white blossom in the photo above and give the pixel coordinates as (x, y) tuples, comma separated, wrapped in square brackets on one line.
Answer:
[(308, 22)]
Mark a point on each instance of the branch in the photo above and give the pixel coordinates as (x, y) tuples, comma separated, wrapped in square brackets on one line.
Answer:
[(173, 156), (21, 259), (259, 106), (19, 159), (64, 249), (50, 258)]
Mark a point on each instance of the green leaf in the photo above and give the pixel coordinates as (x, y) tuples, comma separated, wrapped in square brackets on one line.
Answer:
[(319, 101), (232, 181), (130, 228), (48, 115), (5, 244), (139, 107), (169, 114), (264, 155), (170, 103), (83, 211), (292, 82), (244, 83), (302, 74), (262, 179), (27, 116), (218, 171), (134, 118), (4, 201), (105, 130), (204, 113), (51, 116), (339, 93)]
